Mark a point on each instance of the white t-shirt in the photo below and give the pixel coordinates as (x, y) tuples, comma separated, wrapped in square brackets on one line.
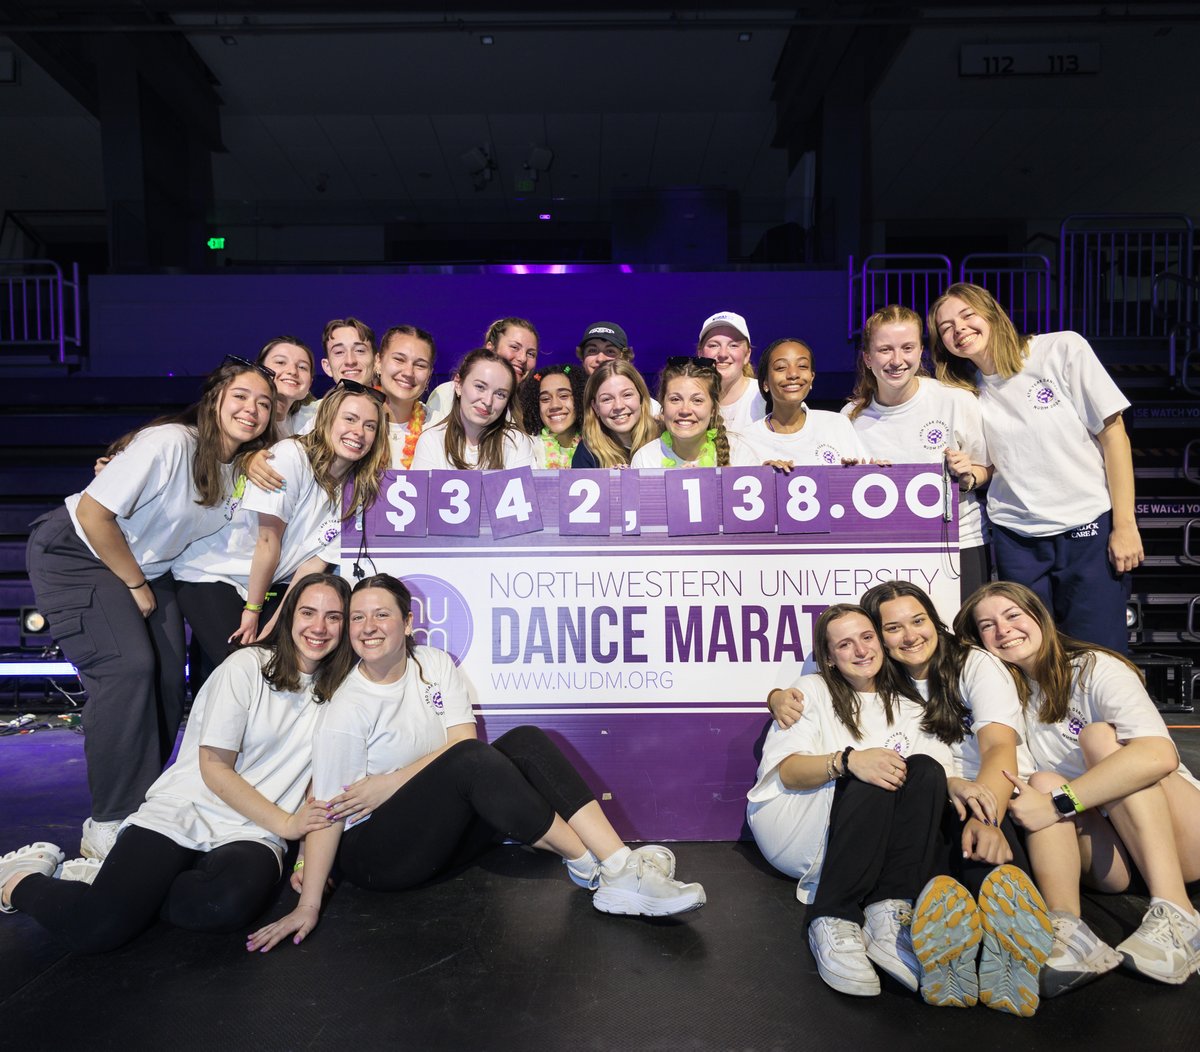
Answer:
[(1110, 692), (990, 695), (313, 527), (1040, 427), (373, 728), (790, 826), (918, 432), (519, 450), (739, 415), (300, 422), (272, 733), (150, 489), (825, 438), (741, 454), (438, 403)]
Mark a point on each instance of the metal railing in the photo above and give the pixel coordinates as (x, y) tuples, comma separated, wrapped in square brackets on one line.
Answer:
[(1107, 268), (915, 280), (39, 309), (1020, 281)]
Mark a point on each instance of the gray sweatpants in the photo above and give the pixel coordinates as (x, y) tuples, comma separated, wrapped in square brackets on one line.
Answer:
[(132, 667)]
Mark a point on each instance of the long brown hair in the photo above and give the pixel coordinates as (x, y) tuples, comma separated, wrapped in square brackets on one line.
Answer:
[(608, 451), (200, 417), (494, 435), (706, 374), (866, 387), (846, 702), (1060, 658), (1009, 349), (282, 671), (946, 714), (365, 472)]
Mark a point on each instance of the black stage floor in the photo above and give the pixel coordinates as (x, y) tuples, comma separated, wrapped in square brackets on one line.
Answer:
[(510, 955)]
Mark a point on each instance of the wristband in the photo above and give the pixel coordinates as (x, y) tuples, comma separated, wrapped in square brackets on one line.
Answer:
[(135, 587), (254, 608), (1069, 793), (298, 866)]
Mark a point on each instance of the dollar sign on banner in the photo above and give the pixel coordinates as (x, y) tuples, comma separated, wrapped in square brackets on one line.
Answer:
[(405, 513)]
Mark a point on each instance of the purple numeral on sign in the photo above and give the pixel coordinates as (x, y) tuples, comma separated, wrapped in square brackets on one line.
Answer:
[(693, 501), (748, 497), (584, 503), (511, 502), (401, 512), (802, 503), (454, 501)]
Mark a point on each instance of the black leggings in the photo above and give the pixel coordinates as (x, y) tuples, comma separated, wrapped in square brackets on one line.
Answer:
[(881, 844), (148, 875), (470, 797), (213, 609)]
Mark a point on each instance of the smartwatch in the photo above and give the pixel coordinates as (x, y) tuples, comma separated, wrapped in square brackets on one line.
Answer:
[(1066, 803)]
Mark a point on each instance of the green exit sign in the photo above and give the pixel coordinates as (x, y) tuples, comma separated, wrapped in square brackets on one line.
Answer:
[(216, 243)]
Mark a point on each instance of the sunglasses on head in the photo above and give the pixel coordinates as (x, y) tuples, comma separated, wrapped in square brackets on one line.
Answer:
[(682, 360), (354, 387), (245, 363)]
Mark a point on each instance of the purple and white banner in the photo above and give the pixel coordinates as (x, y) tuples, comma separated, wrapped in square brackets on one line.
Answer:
[(644, 616)]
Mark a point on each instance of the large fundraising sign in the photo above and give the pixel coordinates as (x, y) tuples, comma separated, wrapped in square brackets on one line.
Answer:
[(643, 616)]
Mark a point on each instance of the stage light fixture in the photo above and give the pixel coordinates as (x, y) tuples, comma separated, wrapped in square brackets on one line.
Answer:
[(35, 632), (744, 37), (487, 39), (1133, 620)]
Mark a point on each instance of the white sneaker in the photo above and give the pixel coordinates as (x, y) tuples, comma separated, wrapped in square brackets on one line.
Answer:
[(840, 951), (887, 929), (1077, 957), (40, 858), (1166, 946), (641, 888), (98, 838), (83, 870), (656, 854)]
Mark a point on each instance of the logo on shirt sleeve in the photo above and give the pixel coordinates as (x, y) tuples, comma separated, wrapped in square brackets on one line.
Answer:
[(1073, 725), (330, 530), (1042, 394), (433, 698)]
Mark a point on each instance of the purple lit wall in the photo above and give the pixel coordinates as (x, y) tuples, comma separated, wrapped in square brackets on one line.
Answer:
[(152, 325)]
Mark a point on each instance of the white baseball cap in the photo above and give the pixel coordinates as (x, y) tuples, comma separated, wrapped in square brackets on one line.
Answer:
[(726, 317)]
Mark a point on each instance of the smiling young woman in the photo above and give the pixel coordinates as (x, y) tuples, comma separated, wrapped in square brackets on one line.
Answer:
[(398, 746), (204, 849), (478, 434), (100, 570), (903, 416), (617, 418), (1110, 797), (1061, 502), (271, 538)]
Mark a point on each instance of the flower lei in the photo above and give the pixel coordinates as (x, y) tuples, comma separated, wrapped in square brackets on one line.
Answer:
[(558, 456), (415, 423), (708, 452)]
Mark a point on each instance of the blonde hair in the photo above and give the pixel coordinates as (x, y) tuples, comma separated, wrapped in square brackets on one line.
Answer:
[(1009, 350), (610, 452), (866, 387), (365, 472)]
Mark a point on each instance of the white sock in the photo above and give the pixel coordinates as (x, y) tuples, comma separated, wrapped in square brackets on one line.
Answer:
[(1188, 911), (584, 866), (616, 861)]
